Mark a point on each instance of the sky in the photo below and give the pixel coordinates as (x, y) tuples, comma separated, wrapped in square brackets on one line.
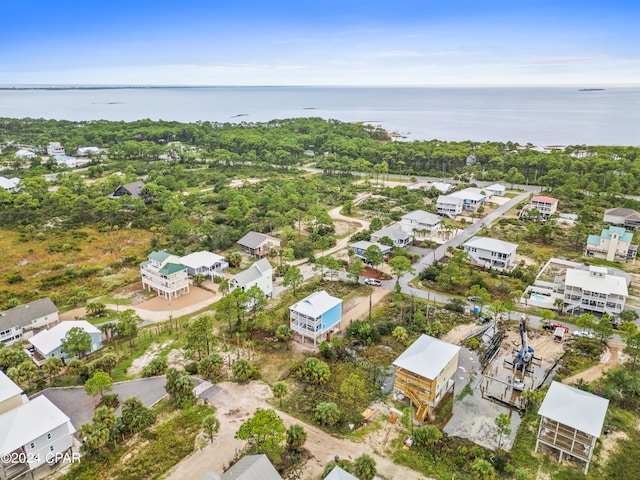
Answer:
[(332, 42)]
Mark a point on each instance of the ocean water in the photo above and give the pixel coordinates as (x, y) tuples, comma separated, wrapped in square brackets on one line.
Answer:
[(542, 116)]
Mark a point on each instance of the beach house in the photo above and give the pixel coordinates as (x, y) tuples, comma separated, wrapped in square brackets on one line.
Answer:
[(419, 224), (260, 274), (571, 421), (425, 373), (360, 247), (594, 291), (21, 322), (613, 244), (547, 206), (490, 252), (316, 317), (623, 217), (132, 190), (206, 263), (48, 343), (396, 235), (164, 274), (32, 432), (258, 244)]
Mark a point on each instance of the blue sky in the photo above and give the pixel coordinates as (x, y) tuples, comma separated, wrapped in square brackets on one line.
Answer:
[(346, 42)]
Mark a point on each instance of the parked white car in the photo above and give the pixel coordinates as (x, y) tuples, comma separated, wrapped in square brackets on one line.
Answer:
[(583, 333)]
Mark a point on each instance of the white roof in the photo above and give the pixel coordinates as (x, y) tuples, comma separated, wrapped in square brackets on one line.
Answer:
[(583, 411), (427, 356), (496, 187), (253, 273), (316, 304), (364, 244), (470, 193), (422, 216), (8, 388), (339, 474), (451, 198), (48, 340), (391, 232), (9, 183), (608, 284), (440, 186), (491, 244), (25, 153), (21, 425), (200, 259)]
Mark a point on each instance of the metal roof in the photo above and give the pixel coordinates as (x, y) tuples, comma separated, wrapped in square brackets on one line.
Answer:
[(339, 474), (23, 315), (316, 304), (423, 217), (606, 284), (8, 388), (575, 408), (427, 356), (491, 244), (201, 259), (25, 423), (391, 232), (48, 340), (252, 467), (252, 273), (544, 199)]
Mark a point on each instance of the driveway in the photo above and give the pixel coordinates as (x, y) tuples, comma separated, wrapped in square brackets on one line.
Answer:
[(79, 406)]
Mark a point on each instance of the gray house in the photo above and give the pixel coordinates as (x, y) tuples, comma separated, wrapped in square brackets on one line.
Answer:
[(21, 322)]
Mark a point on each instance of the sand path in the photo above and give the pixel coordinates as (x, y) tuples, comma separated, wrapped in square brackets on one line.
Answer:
[(610, 358)]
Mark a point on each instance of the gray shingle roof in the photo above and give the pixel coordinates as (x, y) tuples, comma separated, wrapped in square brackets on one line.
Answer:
[(254, 239), (24, 314)]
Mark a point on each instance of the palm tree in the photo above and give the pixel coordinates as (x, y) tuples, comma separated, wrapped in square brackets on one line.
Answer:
[(242, 369), (296, 436), (211, 425), (484, 470), (364, 467), (279, 390)]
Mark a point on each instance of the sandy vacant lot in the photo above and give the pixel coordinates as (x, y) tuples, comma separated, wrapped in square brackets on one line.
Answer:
[(235, 403)]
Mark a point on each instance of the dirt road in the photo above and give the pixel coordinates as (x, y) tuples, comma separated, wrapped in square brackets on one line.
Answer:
[(235, 403), (610, 358), (358, 307)]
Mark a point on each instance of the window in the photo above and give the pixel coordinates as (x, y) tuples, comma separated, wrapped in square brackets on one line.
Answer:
[(51, 448), (48, 436), (32, 445)]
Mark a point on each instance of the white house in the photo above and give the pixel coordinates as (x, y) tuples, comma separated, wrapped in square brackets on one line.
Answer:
[(9, 184), (419, 223), (442, 187), (339, 474), (594, 290), (316, 316), (258, 244), (260, 274), (613, 244), (547, 206), (398, 236), (490, 252), (449, 205), (361, 246), (22, 153), (472, 198), (86, 151), (66, 161), (11, 395), (624, 217), (48, 343), (207, 263), (55, 148), (164, 274), (496, 189), (31, 434), (20, 322), (571, 421)]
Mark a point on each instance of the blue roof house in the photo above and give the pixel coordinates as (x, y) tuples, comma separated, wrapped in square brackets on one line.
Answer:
[(316, 316)]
